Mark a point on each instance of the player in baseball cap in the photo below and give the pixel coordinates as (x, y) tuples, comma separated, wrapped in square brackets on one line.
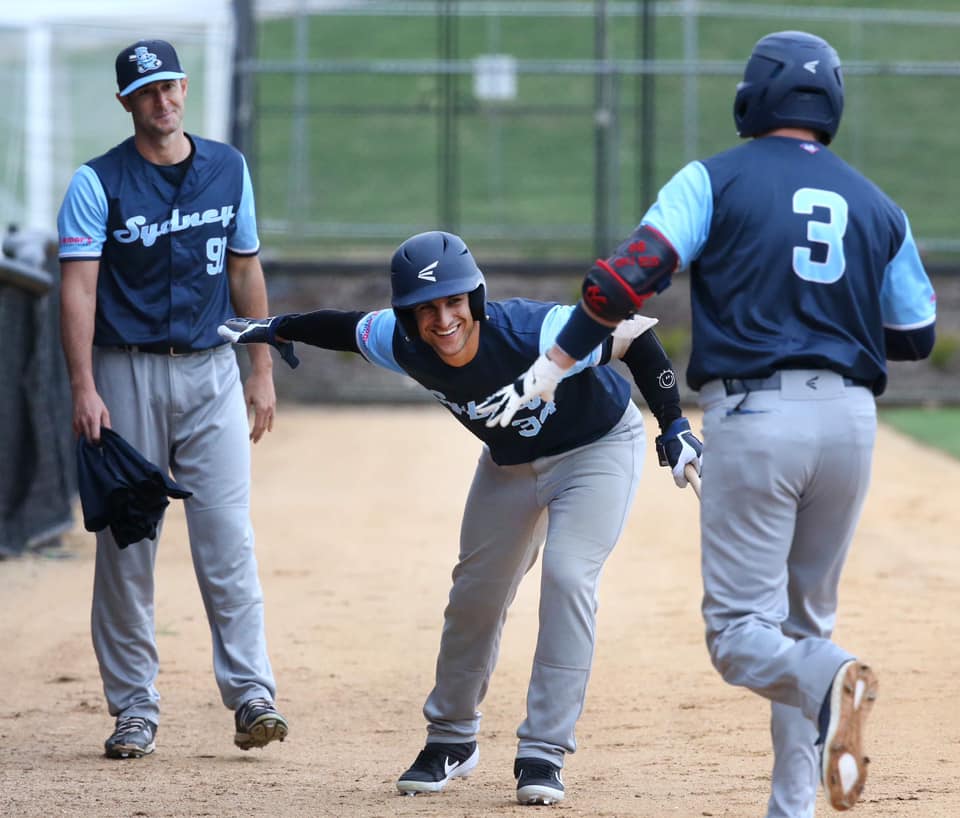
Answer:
[(144, 62), (167, 206)]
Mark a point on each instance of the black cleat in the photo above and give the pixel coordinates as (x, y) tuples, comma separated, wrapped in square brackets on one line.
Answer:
[(436, 764), (538, 781)]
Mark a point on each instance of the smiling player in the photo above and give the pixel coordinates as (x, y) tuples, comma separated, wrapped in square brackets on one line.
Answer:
[(565, 470)]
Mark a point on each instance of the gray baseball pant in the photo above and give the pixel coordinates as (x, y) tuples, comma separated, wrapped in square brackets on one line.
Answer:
[(186, 414), (785, 475), (586, 494)]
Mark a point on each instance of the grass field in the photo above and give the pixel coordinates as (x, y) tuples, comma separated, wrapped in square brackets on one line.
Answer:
[(368, 160), (939, 428)]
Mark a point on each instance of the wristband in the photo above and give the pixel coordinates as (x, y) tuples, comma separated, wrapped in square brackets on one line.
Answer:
[(581, 334)]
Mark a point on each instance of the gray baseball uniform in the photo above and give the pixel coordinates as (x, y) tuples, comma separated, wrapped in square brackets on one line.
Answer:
[(562, 475), (163, 239), (805, 279), (195, 424)]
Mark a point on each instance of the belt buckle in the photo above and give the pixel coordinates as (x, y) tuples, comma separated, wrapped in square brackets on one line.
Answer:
[(172, 352)]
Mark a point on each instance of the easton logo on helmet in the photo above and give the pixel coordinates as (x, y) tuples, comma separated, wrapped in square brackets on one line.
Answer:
[(427, 273)]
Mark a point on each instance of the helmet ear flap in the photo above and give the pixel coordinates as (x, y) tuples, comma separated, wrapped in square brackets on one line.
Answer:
[(407, 322), (478, 303)]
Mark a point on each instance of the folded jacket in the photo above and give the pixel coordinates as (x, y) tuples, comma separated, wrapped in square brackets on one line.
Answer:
[(121, 489)]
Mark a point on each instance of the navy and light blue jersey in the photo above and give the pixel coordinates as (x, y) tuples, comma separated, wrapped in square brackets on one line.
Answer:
[(588, 402), (796, 261), (162, 246)]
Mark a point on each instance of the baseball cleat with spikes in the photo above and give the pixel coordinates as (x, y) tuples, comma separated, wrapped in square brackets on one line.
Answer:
[(843, 762)]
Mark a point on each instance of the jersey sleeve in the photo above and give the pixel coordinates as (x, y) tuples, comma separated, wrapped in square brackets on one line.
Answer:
[(554, 321), (245, 240), (683, 212), (375, 339), (82, 220), (907, 299)]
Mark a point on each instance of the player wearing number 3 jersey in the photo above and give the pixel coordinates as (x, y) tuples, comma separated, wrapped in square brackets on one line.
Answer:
[(805, 279), (158, 244)]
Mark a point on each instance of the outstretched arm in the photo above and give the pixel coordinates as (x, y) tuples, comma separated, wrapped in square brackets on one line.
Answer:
[(328, 329)]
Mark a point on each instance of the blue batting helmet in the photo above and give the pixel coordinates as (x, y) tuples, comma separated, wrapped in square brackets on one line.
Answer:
[(792, 79), (434, 265)]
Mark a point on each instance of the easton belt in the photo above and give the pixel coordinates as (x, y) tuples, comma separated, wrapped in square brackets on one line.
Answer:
[(741, 386)]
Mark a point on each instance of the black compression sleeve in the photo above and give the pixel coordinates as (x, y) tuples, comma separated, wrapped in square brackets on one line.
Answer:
[(909, 345), (329, 329), (655, 377)]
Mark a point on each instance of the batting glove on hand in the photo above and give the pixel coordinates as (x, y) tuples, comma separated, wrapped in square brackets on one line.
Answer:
[(678, 446), (258, 331), (539, 381)]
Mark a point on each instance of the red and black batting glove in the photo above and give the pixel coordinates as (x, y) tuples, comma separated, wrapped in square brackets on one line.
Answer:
[(259, 331), (677, 447)]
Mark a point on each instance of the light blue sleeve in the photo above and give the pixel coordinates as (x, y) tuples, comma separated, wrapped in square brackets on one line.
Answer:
[(82, 220), (683, 211), (555, 321), (245, 241), (375, 339), (907, 299)]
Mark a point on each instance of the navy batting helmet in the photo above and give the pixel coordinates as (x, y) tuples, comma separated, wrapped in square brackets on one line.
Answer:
[(792, 80), (434, 265)]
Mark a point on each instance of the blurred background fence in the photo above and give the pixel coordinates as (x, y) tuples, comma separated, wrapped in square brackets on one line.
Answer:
[(538, 130), (543, 129)]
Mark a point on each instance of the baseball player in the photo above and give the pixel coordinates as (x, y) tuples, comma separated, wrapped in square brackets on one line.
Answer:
[(805, 279), (567, 470), (157, 238)]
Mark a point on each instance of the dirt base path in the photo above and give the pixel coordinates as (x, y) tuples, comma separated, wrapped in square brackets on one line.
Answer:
[(357, 513)]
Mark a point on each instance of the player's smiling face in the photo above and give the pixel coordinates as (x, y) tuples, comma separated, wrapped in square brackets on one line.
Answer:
[(448, 326), (157, 107)]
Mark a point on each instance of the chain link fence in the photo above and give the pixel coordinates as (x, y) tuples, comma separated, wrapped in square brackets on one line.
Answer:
[(544, 129)]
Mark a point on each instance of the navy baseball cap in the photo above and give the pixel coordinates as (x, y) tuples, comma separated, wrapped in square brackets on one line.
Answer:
[(146, 61)]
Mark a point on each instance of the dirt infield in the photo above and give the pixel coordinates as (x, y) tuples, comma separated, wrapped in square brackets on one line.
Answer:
[(357, 514)]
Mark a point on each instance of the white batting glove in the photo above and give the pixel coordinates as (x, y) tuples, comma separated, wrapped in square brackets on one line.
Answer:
[(539, 381), (258, 331), (677, 447)]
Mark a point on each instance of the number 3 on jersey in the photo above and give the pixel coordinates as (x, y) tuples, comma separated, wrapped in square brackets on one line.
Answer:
[(216, 254), (829, 232)]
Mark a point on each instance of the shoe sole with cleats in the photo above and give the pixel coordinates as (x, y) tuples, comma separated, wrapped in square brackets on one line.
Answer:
[(844, 768)]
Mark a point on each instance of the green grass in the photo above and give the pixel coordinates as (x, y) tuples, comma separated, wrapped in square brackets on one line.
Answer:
[(939, 428), (372, 142)]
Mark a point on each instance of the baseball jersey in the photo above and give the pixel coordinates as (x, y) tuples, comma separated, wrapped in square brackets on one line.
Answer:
[(161, 241), (796, 259), (588, 402)]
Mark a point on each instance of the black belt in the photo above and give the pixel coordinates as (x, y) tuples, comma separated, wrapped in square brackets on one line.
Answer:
[(158, 349), (741, 386)]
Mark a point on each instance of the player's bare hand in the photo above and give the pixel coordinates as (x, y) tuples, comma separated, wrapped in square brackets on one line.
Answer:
[(539, 381), (261, 397), (90, 413)]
